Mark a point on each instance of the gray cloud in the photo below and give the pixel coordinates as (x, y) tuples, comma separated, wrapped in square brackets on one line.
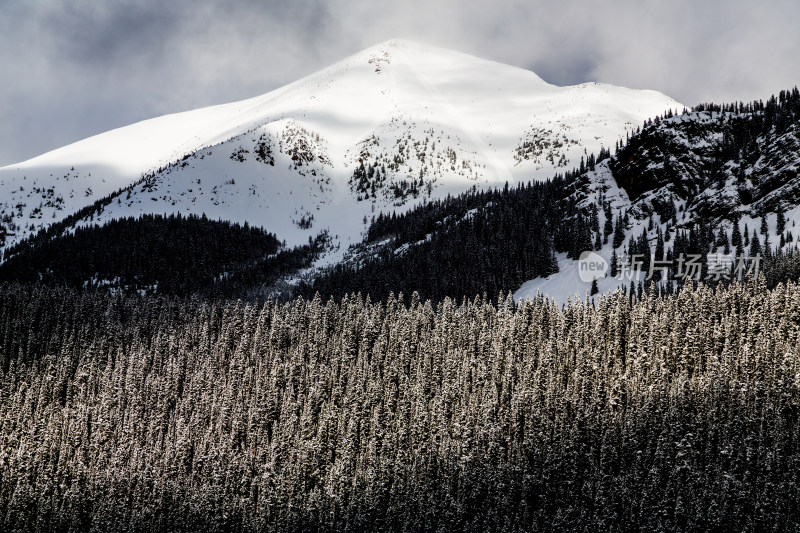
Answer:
[(72, 69)]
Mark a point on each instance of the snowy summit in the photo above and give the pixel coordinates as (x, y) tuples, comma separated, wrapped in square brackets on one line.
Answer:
[(374, 132)]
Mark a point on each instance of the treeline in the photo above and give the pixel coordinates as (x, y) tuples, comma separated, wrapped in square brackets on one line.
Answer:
[(744, 124), (172, 255), (711, 143), (479, 242), (162, 414), (779, 111), (493, 241)]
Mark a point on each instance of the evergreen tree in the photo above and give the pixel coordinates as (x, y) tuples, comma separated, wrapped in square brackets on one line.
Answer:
[(781, 222), (608, 226), (736, 236), (614, 266), (755, 245), (619, 232)]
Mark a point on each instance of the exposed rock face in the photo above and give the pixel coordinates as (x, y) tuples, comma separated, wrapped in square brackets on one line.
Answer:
[(718, 163)]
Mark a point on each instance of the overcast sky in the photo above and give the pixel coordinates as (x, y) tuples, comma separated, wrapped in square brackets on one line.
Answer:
[(74, 68)]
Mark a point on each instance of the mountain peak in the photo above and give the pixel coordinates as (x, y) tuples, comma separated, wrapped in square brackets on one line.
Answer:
[(395, 123), (426, 56)]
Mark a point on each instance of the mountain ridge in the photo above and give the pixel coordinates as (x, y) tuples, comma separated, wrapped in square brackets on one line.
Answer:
[(653, 191), (427, 121)]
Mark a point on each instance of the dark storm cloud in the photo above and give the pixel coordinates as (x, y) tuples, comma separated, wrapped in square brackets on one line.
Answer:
[(73, 69), (98, 36)]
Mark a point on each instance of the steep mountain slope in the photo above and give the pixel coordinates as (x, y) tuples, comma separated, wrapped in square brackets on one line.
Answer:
[(394, 123), (717, 162), (712, 181), (706, 192), (717, 184)]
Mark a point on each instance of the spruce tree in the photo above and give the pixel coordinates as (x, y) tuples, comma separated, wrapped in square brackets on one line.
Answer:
[(781, 222), (619, 233)]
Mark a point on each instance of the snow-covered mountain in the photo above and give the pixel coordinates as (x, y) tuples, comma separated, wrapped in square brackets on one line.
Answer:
[(394, 123), (722, 176)]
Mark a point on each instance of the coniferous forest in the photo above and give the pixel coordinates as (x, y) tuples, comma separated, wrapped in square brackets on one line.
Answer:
[(179, 374), (170, 255), (132, 413), (486, 241)]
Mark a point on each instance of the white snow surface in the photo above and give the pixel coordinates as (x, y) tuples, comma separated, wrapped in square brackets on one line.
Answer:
[(455, 119)]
